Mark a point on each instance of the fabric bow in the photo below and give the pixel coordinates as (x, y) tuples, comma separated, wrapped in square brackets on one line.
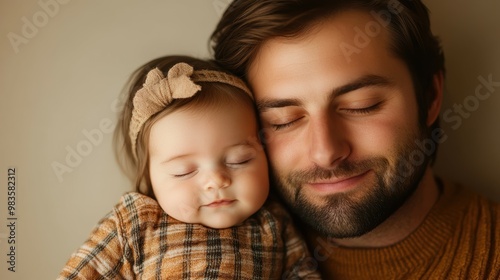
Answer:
[(157, 92)]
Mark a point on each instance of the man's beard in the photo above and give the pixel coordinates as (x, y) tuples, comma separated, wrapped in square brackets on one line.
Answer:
[(354, 213)]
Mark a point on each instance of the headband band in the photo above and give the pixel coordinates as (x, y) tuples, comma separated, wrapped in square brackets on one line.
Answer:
[(158, 91)]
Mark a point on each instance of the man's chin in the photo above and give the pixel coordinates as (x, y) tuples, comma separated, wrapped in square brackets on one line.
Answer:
[(335, 216), (347, 214)]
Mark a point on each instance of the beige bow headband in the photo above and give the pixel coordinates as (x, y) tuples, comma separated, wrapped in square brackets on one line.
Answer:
[(158, 91)]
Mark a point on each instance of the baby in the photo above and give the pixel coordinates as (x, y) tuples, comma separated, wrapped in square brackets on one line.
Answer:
[(201, 209)]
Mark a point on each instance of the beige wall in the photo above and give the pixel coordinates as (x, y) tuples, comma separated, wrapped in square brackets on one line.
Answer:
[(60, 82), (470, 33)]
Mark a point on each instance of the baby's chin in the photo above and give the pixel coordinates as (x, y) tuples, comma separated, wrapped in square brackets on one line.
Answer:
[(222, 224), (225, 217)]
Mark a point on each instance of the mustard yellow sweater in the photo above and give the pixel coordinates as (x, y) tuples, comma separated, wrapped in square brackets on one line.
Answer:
[(459, 239)]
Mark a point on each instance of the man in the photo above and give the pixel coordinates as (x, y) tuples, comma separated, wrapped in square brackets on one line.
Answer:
[(349, 94)]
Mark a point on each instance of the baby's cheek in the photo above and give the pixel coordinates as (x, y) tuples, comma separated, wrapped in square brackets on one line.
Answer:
[(180, 205), (185, 212), (258, 191)]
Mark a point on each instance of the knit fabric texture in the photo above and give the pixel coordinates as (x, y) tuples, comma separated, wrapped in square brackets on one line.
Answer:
[(459, 239)]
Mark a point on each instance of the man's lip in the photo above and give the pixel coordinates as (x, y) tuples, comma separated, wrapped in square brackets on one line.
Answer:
[(220, 202), (338, 184)]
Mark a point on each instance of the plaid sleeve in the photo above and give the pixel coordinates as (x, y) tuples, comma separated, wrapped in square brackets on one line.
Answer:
[(103, 255), (137, 239), (298, 263)]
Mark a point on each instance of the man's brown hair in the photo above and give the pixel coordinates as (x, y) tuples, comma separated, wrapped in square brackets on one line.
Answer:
[(247, 24)]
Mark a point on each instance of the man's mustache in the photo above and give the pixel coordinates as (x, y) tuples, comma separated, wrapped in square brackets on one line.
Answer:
[(344, 169)]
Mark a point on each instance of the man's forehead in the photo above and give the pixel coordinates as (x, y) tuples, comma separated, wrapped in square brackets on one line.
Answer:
[(337, 42)]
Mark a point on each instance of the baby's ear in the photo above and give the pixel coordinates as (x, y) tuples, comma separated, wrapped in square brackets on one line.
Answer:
[(435, 105)]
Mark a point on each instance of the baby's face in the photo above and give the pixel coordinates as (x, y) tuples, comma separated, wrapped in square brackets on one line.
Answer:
[(207, 165)]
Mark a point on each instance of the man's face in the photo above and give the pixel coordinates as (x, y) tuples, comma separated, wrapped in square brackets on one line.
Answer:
[(338, 127)]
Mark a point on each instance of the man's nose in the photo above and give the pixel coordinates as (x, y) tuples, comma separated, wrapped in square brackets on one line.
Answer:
[(328, 145)]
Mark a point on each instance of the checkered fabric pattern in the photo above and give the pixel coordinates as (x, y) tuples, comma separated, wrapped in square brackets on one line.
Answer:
[(138, 240)]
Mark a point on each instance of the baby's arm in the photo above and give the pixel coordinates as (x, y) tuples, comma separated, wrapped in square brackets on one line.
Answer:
[(299, 264), (102, 256)]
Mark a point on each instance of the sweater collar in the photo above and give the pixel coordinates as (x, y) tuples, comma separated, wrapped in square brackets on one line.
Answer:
[(416, 248)]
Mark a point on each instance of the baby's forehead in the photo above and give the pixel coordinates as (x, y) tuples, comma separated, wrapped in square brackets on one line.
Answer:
[(216, 127), (173, 155), (228, 107)]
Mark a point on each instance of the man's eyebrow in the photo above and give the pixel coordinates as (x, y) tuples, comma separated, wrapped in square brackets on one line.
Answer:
[(364, 81), (266, 104)]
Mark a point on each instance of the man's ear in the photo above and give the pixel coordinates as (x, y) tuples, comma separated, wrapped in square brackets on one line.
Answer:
[(435, 105)]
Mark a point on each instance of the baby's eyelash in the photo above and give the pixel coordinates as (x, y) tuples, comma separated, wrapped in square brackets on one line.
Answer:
[(240, 162), (183, 174)]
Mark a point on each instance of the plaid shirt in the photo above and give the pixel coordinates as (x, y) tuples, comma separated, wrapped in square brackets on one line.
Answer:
[(138, 240)]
